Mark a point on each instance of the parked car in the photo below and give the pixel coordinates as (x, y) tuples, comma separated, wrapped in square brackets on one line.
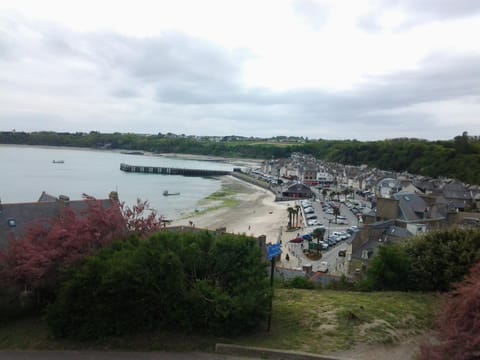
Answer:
[(333, 240), (324, 245), (323, 267)]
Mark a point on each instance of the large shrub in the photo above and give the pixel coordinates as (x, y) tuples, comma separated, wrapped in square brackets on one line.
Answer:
[(189, 281), (433, 262), (440, 259), (389, 269)]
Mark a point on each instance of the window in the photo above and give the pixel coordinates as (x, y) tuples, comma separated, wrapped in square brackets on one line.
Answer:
[(12, 222)]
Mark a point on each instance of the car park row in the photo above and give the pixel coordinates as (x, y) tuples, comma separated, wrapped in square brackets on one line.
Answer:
[(311, 219)]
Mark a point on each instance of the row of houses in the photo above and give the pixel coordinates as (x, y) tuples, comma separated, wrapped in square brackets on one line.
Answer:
[(401, 205), (305, 169)]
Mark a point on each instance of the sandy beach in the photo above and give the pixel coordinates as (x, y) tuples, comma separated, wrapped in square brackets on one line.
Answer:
[(256, 212)]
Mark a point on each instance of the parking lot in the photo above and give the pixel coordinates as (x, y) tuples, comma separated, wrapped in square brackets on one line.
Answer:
[(337, 233)]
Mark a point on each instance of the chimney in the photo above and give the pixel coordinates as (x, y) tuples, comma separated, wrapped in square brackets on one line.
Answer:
[(113, 196), (64, 200)]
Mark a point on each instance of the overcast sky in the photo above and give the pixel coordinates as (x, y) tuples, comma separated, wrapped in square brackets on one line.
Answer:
[(335, 69)]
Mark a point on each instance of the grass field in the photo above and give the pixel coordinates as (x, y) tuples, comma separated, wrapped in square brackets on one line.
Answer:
[(316, 321)]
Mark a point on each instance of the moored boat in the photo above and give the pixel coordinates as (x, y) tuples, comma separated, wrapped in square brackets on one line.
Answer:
[(166, 193)]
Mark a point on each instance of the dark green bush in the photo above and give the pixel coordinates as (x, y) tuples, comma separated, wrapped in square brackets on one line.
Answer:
[(15, 304), (434, 262), (186, 282), (441, 259), (389, 269)]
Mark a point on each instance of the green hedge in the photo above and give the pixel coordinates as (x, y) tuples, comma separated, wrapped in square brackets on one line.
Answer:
[(174, 281), (433, 262)]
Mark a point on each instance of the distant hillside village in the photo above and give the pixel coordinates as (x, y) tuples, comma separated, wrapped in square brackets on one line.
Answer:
[(397, 206)]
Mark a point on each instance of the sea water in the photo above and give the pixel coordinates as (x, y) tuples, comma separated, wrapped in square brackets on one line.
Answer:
[(26, 171)]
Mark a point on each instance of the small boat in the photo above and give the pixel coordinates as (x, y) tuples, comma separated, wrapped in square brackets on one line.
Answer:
[(166, 193), (58, 161)]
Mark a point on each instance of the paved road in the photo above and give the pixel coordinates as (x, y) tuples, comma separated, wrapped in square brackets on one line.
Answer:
[(111, 355), (336, 264)]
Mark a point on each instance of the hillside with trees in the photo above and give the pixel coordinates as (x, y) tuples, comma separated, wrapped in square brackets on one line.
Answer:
[(458, 158)]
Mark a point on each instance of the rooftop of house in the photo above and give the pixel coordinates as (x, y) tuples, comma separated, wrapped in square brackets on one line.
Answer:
[(15, 218), (412, 206), (396, 232), (299, 188)]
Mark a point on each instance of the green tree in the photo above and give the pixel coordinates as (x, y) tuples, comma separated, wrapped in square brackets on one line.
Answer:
[(297, 213), (332, 195), (291, 215), (389, 269), (440, 259), (324, 193), (318, 234)]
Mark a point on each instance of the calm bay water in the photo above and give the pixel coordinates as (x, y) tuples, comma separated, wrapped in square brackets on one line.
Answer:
[(27, 171)]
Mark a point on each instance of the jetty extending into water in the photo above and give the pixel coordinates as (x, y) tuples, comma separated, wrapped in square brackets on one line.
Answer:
[(171, 171)]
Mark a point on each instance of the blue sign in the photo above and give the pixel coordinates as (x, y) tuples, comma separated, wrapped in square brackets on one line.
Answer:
[(274, 250)]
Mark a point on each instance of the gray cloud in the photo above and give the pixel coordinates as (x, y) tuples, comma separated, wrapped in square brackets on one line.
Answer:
[(176, 83), (420, 12), (316, 14)]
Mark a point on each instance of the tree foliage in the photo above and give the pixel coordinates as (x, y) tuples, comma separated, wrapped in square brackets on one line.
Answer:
[(318, 233), (433, 262), (389, 269), (173, 281), (440, 259), (459, 322), (457, 158), (51, 246)]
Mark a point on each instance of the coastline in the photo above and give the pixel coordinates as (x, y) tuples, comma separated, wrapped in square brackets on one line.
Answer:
[(254, 213), (233, 161), (237, 205)]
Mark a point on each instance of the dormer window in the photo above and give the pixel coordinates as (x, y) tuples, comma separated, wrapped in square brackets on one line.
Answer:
[(11, 222)]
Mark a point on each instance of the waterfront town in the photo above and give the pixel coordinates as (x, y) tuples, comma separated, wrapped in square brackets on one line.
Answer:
[(358, 209), (332, 217)]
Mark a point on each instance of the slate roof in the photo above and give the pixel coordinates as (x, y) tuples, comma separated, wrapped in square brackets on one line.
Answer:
[(457, 191), (44, 197), (15, 218), (412, 206), (298, 190), (397, 232), (369, 246)]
